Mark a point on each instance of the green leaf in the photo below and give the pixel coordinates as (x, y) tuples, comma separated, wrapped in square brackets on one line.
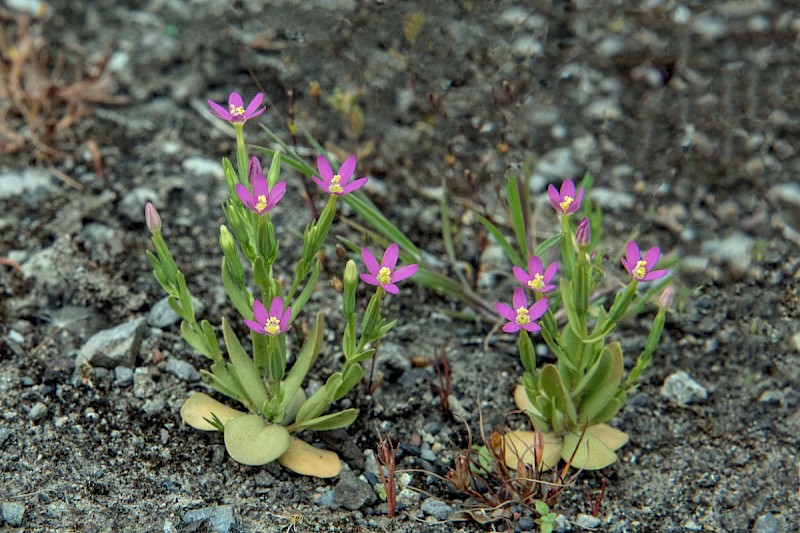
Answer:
[(604, 383), (509, 250), (308, 290), (195, 340), (305, 359), (211, 340), (350, 378), (251, 440), (337, 420), (517, 215), (548, 243), (447, 238), (551, 383), (239, 295), (244, 370)]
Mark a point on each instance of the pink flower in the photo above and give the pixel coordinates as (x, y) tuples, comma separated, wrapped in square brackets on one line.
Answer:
[(583, 235), (262, 200), (273, 323), (536, 278), (236, 112), (521, 316), (565, 202), (337, 184), (384, 274), (641, 267), (151, 218)]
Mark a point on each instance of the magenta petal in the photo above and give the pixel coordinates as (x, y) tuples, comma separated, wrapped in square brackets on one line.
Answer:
[(260, 312), (324, 186), (505, 311), (324, 168), (235, 100), (555, 198), (245, 196), (255, 326), (350, 187), (567, 189), (287, 315), (535, 266), (632, 255), (276, 307), (370, 262), (550, 272), (577, 202), (219, 111), (253, 105), (403, 273), (391, 288), (347, 168), (652, 256), (655, 274), (519, 299), (538, 309), (369, 279), (254, 169), (390, 256), (532, 327), (260, 186), (521, 275), (277, 193), (512, 327)]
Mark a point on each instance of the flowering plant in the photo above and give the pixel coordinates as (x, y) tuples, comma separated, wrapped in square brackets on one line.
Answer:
[(570, 401), (275, 401)]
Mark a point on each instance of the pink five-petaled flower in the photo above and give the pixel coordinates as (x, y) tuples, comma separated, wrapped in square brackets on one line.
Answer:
[(565, 202), (639, 266), (384, 274), (337, 184), (273, 323), (236, 111), (521, 316), (262, 200), (536, 278)]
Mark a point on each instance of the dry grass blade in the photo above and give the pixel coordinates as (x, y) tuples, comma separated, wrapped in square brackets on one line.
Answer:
[(37, 104)]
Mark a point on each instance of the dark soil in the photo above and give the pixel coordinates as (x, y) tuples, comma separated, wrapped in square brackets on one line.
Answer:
[(685, 114)]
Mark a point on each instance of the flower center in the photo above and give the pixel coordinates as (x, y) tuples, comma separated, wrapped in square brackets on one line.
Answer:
[(522, 316), (262, 202), (236, 111), (565, 203), (385, 276), (537, 282), (640, 270), (273, 325), (335, 188)]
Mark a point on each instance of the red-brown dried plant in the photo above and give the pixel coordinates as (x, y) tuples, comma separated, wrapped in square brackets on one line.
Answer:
[(387, 455), (444, 384), (494, 489), (37, 104)]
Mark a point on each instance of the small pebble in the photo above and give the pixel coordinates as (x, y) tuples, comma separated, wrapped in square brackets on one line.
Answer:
[(437, 508), (37, 411), (586, 521), (182, 370), (13, 513), (123, 376), (769, 523), (681, 389)]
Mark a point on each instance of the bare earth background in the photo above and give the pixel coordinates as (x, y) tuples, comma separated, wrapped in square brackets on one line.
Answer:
[(686, 113)]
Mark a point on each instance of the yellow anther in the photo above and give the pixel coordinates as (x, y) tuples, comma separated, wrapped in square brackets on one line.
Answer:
[(335, 187), (273, 325), (537, 282), (522, 316), (640, 270), (385, 276), (262, 202), (566, 203), (236, 110)]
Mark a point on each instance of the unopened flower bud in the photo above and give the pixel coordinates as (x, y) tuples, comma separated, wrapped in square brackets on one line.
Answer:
[(665, 301), (583, 235), (151, 218)]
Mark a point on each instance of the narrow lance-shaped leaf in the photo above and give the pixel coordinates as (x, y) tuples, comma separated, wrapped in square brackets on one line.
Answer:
[(244, 370)]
